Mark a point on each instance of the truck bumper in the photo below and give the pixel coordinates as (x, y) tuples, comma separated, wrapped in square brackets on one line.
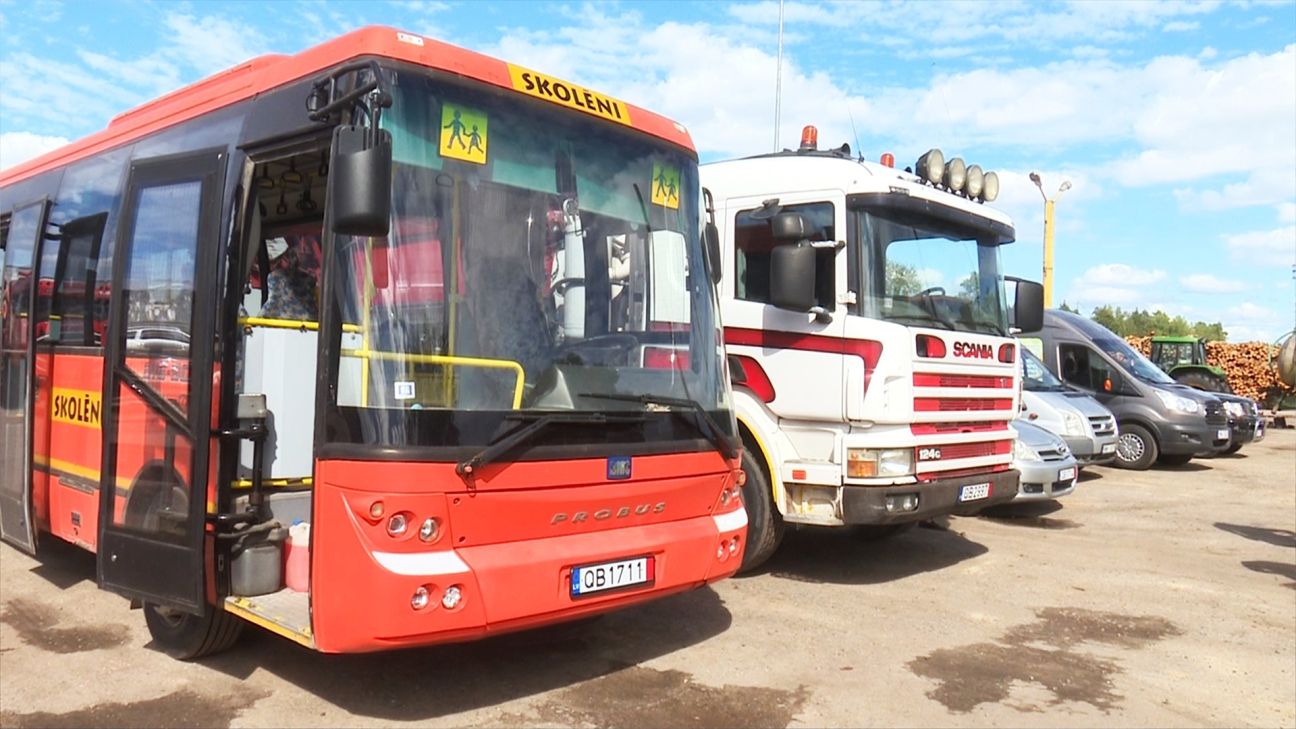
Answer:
[(868, 504)]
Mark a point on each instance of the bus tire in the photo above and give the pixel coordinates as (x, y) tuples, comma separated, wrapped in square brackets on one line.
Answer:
[(1136, 449), (764, 523), (189, 637)]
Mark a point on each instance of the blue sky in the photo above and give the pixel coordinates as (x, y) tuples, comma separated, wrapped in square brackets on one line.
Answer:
[(1175, 122)]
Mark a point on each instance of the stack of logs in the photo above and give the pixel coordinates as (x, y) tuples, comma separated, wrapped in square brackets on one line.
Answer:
[(1245, 364)]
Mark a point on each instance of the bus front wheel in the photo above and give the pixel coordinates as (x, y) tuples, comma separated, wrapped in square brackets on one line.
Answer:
[(764, 523), (189, 637)]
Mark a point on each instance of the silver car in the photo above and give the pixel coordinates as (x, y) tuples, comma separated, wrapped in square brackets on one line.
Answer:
[(1088, 428), (1048, 470)]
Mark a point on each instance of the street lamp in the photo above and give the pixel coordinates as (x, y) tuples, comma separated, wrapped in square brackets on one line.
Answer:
[(1048, 234)]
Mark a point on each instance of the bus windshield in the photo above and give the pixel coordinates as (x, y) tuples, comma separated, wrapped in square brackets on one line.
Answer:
[(927, 271), (539, 259)]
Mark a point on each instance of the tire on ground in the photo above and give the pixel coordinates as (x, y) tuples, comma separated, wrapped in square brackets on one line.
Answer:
[(764, 523), (1136, 449), (189, 637)]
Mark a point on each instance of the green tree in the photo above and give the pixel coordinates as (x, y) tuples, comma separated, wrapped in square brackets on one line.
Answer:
[(970, 287), (902, 280), (1064, 307), (1141, 323)]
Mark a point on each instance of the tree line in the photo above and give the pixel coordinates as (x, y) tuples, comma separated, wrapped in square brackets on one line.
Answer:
[(1140, 323)]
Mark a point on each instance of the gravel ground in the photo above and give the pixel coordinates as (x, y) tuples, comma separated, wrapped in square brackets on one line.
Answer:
[(1162, 598)]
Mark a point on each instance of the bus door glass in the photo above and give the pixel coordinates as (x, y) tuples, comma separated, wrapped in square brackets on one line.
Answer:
[(17, 303), (157, 415)]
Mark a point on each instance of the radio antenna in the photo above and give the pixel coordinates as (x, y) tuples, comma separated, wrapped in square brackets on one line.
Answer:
[(778, 81), (858, 149)]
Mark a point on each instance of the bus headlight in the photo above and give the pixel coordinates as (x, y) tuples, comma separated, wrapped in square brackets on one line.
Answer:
[(872, 462)]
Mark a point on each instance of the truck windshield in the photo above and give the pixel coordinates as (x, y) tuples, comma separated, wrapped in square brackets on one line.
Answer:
[(539, 258), (1133, 361), (924, 270), (1036, 377)]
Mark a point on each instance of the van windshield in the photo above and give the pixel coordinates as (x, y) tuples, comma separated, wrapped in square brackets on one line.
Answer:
[(1036, 377), (1133, 362)]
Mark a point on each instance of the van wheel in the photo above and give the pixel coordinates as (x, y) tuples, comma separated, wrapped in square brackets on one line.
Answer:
[(1136, 448), (1174, 460), (187, 637), (764, 523)]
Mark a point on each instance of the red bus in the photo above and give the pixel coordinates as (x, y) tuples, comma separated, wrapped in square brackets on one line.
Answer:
[(363, 346)]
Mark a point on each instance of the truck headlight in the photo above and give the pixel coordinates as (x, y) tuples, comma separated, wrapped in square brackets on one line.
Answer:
[(1073, 424), (1023, 452), (872, 462), (1175, 402)]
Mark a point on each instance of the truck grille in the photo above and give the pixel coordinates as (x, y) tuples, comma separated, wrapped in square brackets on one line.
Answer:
[(1215, 414), (961, 404), (937, 379), (966, 450), (984, 426), (1103, 424)]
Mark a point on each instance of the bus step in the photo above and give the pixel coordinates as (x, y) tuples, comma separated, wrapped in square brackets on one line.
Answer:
[(286, 612)]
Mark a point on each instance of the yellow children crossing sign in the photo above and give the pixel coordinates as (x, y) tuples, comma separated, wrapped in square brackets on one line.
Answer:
[(464, 133), (665, 186)]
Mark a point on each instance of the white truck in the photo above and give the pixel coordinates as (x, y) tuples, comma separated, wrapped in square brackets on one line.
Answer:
[(866, 321)]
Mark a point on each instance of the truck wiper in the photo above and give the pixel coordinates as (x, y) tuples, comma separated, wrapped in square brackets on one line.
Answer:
[(920, 319), (504, 444), (707, 425)]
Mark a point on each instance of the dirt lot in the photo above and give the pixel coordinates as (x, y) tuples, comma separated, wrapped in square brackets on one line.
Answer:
[(1165, 598)]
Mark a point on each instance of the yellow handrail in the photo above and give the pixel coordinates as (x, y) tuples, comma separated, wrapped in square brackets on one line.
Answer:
[(451, 361), (263, 322)]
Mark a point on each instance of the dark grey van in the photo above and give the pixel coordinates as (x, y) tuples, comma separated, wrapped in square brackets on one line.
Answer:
[(1160, 420)]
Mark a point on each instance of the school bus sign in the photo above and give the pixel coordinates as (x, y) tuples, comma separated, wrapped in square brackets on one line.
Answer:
[(568, 94)]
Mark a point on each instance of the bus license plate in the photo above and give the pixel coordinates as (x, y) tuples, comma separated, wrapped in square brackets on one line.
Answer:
[(591, 578), (974, 491), (1108, 448), (1066, 474), (1221, 434)]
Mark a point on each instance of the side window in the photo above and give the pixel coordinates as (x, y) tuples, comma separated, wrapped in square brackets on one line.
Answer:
[(1083, 367), (74, 280), (753, 243)]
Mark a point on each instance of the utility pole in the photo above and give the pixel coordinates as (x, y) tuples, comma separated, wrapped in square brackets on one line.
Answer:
[(1048, 234)]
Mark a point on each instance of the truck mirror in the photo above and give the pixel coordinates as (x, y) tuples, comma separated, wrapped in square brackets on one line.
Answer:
[(792, 277), (359, 194), (1028, 306), (711, 238), (790, 227)]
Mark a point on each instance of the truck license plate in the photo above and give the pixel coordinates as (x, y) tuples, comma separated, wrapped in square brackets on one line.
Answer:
[(591, 578), (1109, 448), (974, 491), (1066, 474), (1221, 434)]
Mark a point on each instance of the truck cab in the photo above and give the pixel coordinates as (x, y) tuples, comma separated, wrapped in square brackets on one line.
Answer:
[(866, 322)]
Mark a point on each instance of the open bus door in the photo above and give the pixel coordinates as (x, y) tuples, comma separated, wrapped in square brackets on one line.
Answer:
[(158, 383), (21, 254)]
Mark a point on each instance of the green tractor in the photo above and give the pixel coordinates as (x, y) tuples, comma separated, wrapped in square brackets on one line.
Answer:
[(1184, 359)]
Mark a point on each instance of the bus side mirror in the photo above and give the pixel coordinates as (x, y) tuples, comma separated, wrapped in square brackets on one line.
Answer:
[(359, 194), (1028, 306), (711, 239), (792, 276)]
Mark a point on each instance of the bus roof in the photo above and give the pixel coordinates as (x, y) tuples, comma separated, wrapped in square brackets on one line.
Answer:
[(264, 73)]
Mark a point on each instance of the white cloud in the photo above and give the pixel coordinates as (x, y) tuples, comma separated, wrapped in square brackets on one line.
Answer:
[(1121, 274), (1117, 284), (1205, 283), (18, 147), (930, 277), (1178, 26), (1275, 247), (1287, 212), (211, 43), (1251, 322)]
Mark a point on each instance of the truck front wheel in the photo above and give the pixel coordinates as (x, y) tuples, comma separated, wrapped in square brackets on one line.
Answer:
[(764, 523)]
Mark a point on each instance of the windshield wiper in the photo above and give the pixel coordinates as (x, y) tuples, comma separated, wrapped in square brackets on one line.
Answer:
[(498, 447), (706, 424), (916, 318)]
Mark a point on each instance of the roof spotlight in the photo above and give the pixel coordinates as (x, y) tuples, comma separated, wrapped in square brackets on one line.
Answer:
[(990, 187), (955, 174), (931, 165), (975, 180)]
